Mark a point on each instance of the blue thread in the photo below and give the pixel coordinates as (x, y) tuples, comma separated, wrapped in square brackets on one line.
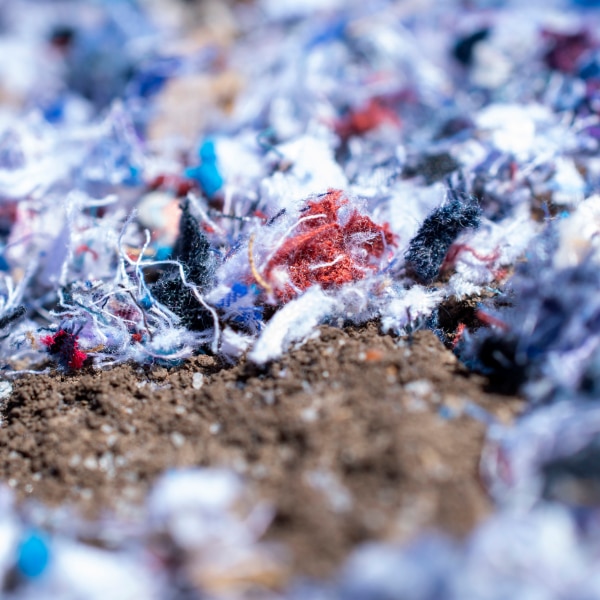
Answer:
[(446, 413), (330, 33)]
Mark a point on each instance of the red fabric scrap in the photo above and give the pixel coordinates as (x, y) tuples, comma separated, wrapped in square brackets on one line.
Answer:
[(85, 248), (567, 49), (460, 331), (371, 116), (63, 345), (175, 184), (326, 252), (491, 321)]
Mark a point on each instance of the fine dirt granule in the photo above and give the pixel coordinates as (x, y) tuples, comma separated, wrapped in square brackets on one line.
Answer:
[(352, 436)]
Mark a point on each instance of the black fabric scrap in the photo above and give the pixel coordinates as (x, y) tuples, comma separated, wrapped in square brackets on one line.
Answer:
[(193, 251), (427, 250)]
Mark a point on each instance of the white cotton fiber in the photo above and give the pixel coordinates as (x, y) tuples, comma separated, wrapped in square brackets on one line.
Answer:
[(294, 322)]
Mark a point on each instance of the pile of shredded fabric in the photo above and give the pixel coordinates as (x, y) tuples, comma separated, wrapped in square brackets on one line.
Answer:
[(305, 163)]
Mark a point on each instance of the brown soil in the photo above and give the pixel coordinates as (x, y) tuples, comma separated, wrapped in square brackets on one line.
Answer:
[(349, 437)]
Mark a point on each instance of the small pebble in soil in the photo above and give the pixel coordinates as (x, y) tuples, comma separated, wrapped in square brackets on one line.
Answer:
[(197, 381)]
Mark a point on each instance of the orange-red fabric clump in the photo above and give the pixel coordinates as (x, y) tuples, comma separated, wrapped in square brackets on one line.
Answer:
[(326, 252), (371, 116)]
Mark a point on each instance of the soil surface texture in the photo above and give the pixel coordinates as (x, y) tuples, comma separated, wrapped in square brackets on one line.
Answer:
[(352, 436)]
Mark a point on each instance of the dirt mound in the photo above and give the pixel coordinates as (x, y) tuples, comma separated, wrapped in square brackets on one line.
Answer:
[(352, 436)]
